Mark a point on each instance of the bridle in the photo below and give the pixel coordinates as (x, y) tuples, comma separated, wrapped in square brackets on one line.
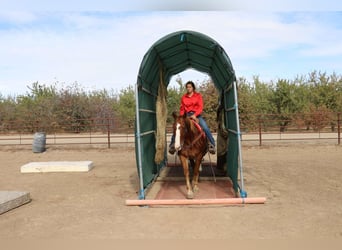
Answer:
[(189, 146)]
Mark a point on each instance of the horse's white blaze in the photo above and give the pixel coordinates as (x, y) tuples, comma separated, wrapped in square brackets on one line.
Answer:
[(177, 137)]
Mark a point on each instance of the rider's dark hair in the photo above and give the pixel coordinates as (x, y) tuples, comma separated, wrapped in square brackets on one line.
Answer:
[(192, 84)]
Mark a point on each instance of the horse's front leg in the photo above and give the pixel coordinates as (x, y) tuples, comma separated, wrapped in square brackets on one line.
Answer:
[(196, 175), (184, 161)]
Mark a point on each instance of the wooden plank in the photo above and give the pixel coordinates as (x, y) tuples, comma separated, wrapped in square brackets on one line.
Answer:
[(182, 178), (224, 201)]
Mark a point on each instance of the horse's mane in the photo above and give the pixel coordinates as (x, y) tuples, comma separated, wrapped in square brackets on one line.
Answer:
[(189, 124), (193, 130), (192, 127)]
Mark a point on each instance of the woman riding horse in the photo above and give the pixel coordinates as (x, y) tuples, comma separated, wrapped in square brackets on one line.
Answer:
[(192, 106)]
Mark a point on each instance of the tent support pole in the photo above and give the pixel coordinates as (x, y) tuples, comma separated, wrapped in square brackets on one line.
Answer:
[(243, 193), (138, 138)]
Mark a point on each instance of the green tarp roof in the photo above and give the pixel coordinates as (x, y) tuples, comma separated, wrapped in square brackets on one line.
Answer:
[(184, 50)]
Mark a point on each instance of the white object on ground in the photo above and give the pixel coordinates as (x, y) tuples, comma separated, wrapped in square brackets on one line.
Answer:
[(13, 199), (57, 166)]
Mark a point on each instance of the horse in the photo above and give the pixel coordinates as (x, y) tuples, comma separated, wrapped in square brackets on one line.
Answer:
[(190, 144)]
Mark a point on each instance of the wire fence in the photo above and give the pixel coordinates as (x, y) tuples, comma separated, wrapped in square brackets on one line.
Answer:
[(256, 129), (263, 128)]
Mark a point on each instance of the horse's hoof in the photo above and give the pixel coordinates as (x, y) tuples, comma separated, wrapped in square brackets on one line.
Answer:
[(196, 189), (190, 195)]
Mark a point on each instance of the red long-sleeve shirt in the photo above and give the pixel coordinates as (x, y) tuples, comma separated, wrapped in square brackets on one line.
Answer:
[(191, 103)]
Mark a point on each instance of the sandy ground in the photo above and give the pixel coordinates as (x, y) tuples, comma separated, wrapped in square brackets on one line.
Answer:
[(302, 184)]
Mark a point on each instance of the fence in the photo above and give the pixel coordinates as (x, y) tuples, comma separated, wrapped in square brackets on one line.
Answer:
[(107, 131), (295, 127), (258, 129)]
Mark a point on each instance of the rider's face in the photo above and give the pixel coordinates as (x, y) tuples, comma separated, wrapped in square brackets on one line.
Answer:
[(189, 88)]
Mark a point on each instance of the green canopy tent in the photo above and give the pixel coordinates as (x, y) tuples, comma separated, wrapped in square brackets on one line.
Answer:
[(167, 57)]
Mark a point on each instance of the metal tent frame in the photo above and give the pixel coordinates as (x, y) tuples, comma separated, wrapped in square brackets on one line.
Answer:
[(169, 56)]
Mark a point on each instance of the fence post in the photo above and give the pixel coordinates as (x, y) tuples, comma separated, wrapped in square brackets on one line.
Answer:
[(339, 128), (37, 126), (260, 140), (108, 132)]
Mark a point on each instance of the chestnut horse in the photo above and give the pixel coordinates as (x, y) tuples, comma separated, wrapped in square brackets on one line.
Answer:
[(190, 144)]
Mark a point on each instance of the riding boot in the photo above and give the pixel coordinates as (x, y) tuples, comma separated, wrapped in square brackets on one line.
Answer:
[(212, 149)]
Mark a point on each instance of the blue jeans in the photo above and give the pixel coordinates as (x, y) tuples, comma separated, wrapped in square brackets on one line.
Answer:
[(203, 125)]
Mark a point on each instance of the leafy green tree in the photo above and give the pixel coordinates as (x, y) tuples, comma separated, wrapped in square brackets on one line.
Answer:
[(260, 103), (173, 102), (284, 99), (210, 103), (126, 106), (7, 113), (36, 108), (262, 97), (101, 108), (72, 108), (325, 90), (307, 101), (246, 95), (173, 98), (325, 96)]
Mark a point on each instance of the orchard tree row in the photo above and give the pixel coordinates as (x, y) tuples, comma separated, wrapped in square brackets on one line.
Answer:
[(310, 101), (299, 101)]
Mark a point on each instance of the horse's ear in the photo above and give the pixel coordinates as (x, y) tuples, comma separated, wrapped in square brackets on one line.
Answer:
[(174, 114)]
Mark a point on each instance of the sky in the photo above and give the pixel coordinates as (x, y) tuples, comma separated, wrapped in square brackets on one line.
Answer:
[(101, 45)]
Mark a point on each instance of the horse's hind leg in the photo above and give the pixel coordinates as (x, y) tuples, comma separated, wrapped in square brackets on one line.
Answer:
[(190, 193)]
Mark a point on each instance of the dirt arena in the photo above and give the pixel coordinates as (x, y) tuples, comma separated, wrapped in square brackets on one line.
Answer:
[(302, 184)]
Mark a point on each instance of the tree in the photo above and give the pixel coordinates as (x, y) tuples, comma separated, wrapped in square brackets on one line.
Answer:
[(7, 112), (284, 99), (36, 109), (173, 98), (210, 103), (262, 103), (307, 101), (246, 101), (126, 106)]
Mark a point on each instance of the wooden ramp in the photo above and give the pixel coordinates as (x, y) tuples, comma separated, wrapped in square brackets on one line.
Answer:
[(170, 186), (215, 189), (213, 183), (208, 190)]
